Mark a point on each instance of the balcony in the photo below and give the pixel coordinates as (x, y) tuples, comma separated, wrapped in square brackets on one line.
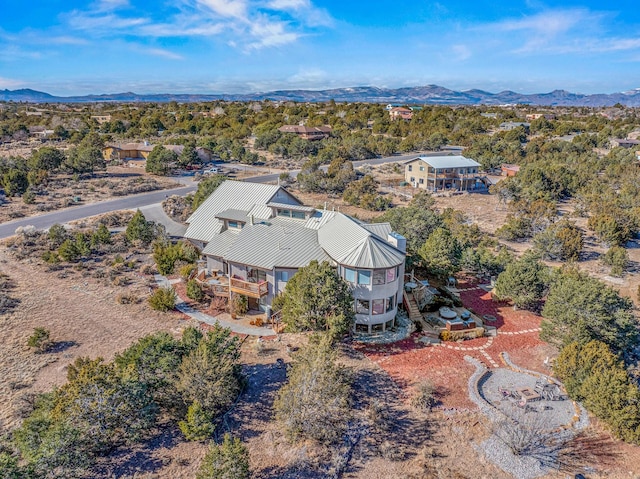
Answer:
[(253, 290), (216, 285)]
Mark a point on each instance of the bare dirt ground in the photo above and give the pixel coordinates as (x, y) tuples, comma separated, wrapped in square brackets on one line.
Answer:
[(83, 317), (62, 191)]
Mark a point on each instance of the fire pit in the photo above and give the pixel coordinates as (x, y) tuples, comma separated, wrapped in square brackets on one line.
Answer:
[(447, 313)]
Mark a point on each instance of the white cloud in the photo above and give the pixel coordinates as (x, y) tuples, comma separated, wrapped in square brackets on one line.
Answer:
[(10, 83), (98, 24), (161, 52), (247, 25), (461, 52), (269, 33), (288, 4), (310, 76), (548, 23), (108, 5), (227, 8), (303, 11), (67, 40)]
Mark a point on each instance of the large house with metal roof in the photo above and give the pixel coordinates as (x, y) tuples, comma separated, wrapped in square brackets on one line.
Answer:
[(257, 237), (438, 173)]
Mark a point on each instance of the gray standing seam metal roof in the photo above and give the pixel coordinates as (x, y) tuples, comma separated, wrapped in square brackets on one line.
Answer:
[(291, 207), (204, 230), (442, 162), (381, 230), (223, 243), (280, 243), (229, 195), (284, 242), (234, 215), (349, 244)]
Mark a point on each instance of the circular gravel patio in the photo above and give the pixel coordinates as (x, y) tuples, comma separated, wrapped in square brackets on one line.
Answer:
[(553, 414)]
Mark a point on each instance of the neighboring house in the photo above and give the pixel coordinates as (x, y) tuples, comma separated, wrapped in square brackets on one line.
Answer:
[(204, 154), (401, 112), (307, 132), (436, 173), (40, 132), (535, 116), (101, 118), (127, 151), (626, 143), (511, 125), (258, 236), (510, 170)]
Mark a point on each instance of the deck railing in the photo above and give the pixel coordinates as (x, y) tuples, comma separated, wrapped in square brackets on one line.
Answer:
[(255, 290)]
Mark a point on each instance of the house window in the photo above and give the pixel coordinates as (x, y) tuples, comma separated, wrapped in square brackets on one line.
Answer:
[(364, 277), (390, 303), (391, 275), (286, 213), (410, 167), (282, 276), (377, 306), (421, 168), (378, 276), (234, 224), (256, 276), (350, 275), (422, 181), (362, 306), (297, 214), (413, 179)]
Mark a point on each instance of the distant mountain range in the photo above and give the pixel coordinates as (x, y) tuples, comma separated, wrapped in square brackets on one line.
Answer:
[(430, 94)]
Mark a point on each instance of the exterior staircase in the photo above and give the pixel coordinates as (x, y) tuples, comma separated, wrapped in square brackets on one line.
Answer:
[(410, 304)]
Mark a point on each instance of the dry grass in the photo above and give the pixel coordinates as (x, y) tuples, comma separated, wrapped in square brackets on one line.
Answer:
[(84, 319), (60, 191)]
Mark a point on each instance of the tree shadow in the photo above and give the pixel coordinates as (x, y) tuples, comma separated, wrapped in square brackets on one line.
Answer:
[(139, 459), (256, 402), (61, 346)]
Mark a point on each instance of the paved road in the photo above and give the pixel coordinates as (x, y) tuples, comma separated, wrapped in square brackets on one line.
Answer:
[(146, 199), (356, 164), (85, 211)]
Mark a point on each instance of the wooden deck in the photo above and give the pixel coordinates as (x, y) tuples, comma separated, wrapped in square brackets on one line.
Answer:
[(253, 290)]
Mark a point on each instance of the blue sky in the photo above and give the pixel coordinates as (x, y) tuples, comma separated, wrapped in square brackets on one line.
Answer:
[(211, 46)]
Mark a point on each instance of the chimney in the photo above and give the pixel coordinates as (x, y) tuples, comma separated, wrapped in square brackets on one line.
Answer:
[(397, 240)]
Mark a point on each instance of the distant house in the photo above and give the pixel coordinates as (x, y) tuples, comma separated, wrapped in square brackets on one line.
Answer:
[(204, 154), (512, 125), (510, 170), (436, 173), (255, 238), (101, 118), (626, 143), (401, 112), (127, 151), (536, 116), (307, 132), (40, 132)]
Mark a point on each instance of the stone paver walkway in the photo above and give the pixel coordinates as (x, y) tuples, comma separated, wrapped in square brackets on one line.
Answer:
[(524, 331), (183, 307), (482, 349)]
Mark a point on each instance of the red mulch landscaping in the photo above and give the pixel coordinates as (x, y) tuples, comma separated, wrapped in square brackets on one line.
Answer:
[(409, 361)]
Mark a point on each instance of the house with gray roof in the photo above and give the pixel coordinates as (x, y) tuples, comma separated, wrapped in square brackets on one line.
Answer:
[(439, 173), (255, 238)]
